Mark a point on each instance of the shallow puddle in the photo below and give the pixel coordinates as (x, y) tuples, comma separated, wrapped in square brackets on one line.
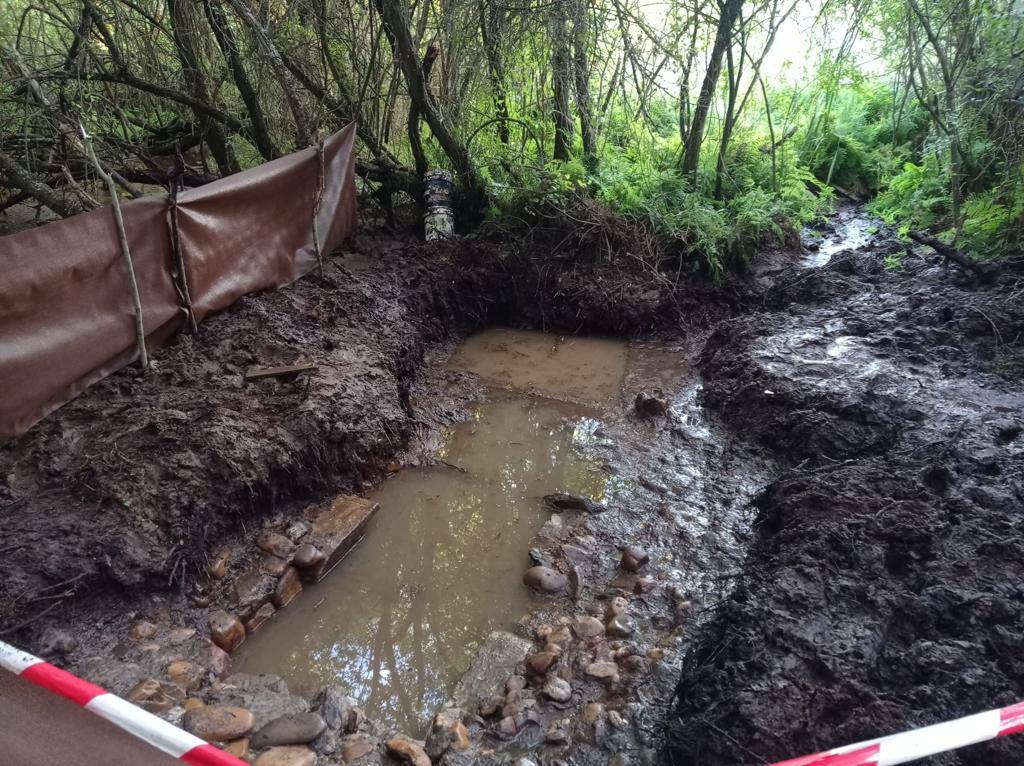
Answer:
[(400, 619), (590, 369)]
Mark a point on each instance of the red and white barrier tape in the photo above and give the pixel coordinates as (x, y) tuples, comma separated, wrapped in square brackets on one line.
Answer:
[(134, 720), (920, 743)]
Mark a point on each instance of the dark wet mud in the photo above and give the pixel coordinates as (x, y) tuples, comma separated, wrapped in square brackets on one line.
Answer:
[(884, 588), (831, 505)]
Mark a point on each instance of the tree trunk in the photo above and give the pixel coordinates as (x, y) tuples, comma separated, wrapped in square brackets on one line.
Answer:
[(560, 80), (581, 73), (277, 66), (727, 124), (184, 25), (228, 45), (413, 122), (396, 20), (730, 11), (495, 71)]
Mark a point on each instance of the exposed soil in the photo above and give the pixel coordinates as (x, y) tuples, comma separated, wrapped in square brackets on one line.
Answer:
[(139, 478), (883, 582), (884, 585)]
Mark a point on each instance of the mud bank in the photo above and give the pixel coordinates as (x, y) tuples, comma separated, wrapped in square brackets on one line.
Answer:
[(136, 481), (884, 585)]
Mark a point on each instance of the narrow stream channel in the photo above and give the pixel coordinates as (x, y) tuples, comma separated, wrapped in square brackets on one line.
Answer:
[(400, 620)]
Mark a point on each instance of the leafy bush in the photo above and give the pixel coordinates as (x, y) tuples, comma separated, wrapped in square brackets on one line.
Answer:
[(916, 198)]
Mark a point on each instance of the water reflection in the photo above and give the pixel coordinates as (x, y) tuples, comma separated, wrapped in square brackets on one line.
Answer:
[(440, 565)]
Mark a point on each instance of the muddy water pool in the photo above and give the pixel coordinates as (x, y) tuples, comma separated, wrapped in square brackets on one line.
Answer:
[(401, 618)]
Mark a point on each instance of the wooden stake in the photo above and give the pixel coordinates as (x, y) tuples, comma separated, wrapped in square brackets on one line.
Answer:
[(140, 333)]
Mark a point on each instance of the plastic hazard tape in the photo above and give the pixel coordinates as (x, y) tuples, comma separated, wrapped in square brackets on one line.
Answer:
[(920, 743), (134, 720)]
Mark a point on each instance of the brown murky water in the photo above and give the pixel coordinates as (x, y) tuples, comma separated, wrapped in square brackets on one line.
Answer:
[(590, 369), (401, 618)]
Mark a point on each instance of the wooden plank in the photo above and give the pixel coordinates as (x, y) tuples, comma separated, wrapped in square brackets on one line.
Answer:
[(256, 373)]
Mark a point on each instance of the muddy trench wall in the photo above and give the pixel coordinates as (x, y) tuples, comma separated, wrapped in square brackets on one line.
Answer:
[(66, 318)]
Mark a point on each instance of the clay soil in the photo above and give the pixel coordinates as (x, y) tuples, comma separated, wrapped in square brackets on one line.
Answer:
[(883, 585)]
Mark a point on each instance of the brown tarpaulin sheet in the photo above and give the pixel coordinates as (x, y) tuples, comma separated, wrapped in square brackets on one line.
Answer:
[(66, 316)]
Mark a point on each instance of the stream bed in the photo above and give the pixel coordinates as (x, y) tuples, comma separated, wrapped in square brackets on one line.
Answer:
[(401, 619)]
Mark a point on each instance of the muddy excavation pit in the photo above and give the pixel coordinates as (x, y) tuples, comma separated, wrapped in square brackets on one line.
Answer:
[(779, 516)]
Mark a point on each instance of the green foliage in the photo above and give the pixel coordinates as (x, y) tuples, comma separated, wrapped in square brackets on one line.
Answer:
[(992, 228), (916, 198)]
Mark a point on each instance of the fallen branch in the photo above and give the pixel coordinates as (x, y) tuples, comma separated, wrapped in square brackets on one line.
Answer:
[(847, 194), (18, 177), (950, 253), (115, 204)]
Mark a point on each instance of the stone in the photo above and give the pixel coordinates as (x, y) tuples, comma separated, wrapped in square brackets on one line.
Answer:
[(560, 635), (142, 631), (339, 711), (633, 558), (297, 530), (272, 565), (515, 683), (539, 557), (238, 748), (563, 501), (180, 635), (307, 559), (57, 643), (616, 606), (408, 751), (491, 706), (577, 582), (518, 702), (266, 696), (558, 732), (557, 689), (192, 703), (214, 659), (156, 697), (288, 587), (644, 585), (187, 675), (592, 711), (336, 529), (635, 663), (525, 762), (494, 662), (507, 726), (651, 404), (545, 579), (252, 590), (218, 568), (226, 630), (327, 743), (291, 729), (615, 719), (447, 732), (620, 627), (588, 627), (603, 670), (257, 621), (216, 723), (541, 662), (294, 755), (275, 544), (356, 746)]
